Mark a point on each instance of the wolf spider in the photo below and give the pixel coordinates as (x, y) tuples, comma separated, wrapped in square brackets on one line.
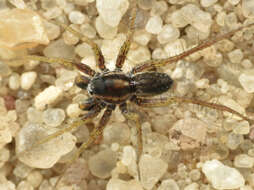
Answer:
[(109, 89)]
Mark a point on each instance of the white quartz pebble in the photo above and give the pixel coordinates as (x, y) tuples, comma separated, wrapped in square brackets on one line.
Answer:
[(248, 8), (48, 96), (151, 170), (246, 79), (112, 11), (243, 161), (118, 184), (154, 25), (28, 79), (46, 154), (222, 176)]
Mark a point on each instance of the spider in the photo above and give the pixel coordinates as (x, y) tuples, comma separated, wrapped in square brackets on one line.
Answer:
[(109, 89)]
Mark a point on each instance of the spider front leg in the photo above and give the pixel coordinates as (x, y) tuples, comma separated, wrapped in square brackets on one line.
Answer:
[(158, 102), (148, 65), (132, 116), (65, 62), (97, 51), (126, 45)]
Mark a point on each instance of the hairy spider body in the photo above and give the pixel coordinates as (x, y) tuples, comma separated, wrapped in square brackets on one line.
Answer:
[(116, 87)]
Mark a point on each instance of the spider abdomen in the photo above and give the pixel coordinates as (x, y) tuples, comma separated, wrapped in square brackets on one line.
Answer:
[(151, 83)]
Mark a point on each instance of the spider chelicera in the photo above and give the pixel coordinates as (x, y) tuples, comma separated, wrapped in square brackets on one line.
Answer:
[(109, 89)]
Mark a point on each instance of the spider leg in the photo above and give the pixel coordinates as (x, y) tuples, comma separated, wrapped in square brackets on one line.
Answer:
[(158, 102), (131, 116), (65, 62), (97, 51), (97, 132), (82, 120), (126, 45), (162, 62)]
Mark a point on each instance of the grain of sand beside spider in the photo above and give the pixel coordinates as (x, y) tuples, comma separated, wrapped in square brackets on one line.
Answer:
[(110, 89)]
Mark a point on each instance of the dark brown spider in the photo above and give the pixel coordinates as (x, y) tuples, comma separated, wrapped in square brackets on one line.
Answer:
[(109, 89)]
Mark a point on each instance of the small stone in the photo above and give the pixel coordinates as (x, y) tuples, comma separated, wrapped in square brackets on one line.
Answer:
[(27, 79), (117, 184), (233, 2), (168, 184), (248, 8), (146, 4), (88, 30), (104, 30), (5, 184), (246, 79), (234, 140), (70, 38), (192, 186), (102, 163), (21, 170), (159, 8), (246, 187), (226, 101), (4, 69), (243, 161), (112, 11), (73, 110), (59, 49), (117, 132), (195, 175), (76, 17), (34, 115), (4, 156), (202, 83), (199, 19), (139, 55), (178, 20), (193, 128), (168, 34), (110, 49), (246, 63), (18, 4), (220, 18), (53, 117), (14, 81), (151, 170), (75, 174), (48, 96), (52, 30), (235, 56), (5, 133), (66, 79), (142, 37), (175, 48), (207, 3), (222, 176), (24, 185), (43, 155), (53, 13), (241, 128), (154, 25), (18, 26), (84, 50), (35, 178), (159, 53), (45, 185), (129, 159)]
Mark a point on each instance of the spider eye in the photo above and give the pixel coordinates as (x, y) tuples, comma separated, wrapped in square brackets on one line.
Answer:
[(82, 81)]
